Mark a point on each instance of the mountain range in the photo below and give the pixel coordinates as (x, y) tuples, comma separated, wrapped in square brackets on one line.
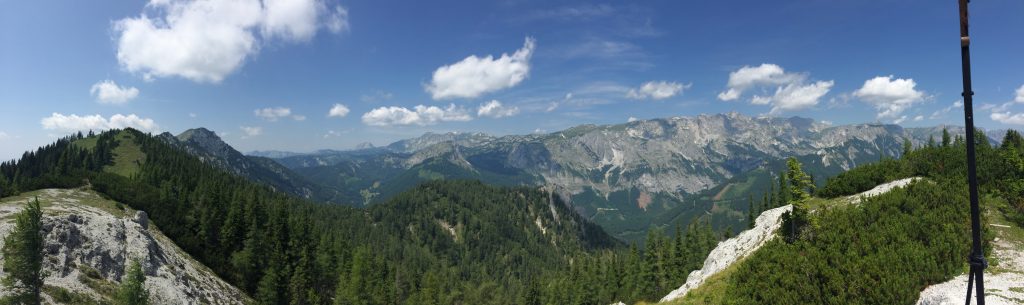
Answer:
[(625, 177)]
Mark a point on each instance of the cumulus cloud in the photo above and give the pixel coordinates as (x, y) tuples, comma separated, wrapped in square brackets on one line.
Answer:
[(474, 76), (798, 96), (419, 115), (792, 91), (918, 118), (73, 122), (1008, 118), (251, 131), (205, 40), (1020, 94), (657, 90), (274, 113), (108, 92), (495, 109), (890, 96), (900, 120), (764, 75), (338, 110), (631, 119)]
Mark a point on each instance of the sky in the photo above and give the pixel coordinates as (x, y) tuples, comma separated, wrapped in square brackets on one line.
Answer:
[(302, 75)]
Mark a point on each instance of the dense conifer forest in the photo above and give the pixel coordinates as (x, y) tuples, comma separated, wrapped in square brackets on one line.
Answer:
[(462, 242), (445, 242)]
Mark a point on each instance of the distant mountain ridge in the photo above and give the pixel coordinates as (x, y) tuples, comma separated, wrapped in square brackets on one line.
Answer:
[(626, 176), (208, 147)]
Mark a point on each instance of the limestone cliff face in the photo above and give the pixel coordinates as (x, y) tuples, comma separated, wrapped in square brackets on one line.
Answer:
[(89, 242)]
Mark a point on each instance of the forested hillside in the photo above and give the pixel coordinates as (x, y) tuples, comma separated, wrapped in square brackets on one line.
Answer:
[(883, 250), (440, 243)]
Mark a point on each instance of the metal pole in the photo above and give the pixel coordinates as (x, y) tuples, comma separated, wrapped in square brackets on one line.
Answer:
[(977, 258)]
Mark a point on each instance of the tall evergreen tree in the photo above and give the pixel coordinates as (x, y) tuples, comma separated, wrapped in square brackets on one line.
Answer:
[(795, 221), (907, 147), (23, 256), (132, 290), (750, 212), (945, 138)]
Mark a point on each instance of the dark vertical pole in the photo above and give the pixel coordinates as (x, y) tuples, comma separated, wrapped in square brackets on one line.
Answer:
[(977, 258)]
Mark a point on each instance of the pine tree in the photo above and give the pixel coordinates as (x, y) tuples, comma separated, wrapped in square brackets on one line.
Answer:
[(782, 196), (750, 212), (799, 182), (945, 138), (907, 147), (795, 221), (23, 256), (132, 290)]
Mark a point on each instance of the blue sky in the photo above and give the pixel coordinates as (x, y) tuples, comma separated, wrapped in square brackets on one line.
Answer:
[(268, 74)]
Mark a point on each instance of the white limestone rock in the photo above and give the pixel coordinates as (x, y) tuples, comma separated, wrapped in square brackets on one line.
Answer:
[(80, 237), (733, 249)]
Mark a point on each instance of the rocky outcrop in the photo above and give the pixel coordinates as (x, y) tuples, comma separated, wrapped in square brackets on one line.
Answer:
[(733, 249), (89, 242), (747, 242)]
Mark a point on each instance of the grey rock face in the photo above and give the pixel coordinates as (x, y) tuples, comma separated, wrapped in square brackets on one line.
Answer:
[(85, 243)]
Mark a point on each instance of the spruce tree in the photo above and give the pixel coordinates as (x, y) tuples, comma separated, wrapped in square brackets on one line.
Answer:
[(795, 221), (907, 147), (945, 138), (132, 290), (23, 256), (750, 212)]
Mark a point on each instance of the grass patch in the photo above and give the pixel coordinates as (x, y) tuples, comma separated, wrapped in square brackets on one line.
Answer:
[(87, 143), (128, 156), (60, 295), (78, 196), (712, 291), (94, 280)]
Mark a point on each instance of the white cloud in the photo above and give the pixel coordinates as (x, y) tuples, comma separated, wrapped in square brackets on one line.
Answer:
[(337, 22), (192, 115), (1008, 118), (729, 95), (900, 120), (581, 12), (274, 113), (474, 76), (205, 40), (495, 109), (797, 96), (657, 90), (631, 119), (918, 118), (419, 115), (338, 110), (764, 75), (890, 96), (792, 92), (1020, 94), (73, 122), (957, 104), (251, 131), (4, 136), (108, 92), (331, 134)]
